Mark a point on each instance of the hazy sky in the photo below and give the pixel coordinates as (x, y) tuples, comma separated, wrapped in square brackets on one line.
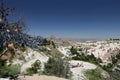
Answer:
[(70, 18)]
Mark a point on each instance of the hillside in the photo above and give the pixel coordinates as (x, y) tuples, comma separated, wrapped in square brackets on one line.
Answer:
[(27, 57)]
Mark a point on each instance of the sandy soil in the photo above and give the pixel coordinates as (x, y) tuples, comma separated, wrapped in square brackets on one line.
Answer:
[(41, 77)]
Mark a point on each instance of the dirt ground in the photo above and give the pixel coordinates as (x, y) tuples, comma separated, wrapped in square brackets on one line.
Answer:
[(41, 77)]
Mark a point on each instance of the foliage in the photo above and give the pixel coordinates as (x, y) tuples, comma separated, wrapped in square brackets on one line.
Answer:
[(10, 71), (74, 51), (92, 59), (58, 67), (115, 75), (118, 56), (35, 67), (37, 64), (89, 58), (2, 63), (108, 67), (54, 46), (80, 49), (94, 74), (46, 42), (114, 60), (30, 71)]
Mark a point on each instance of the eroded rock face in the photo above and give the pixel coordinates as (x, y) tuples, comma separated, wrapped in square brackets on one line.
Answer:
[(30, 56), (100, 49)]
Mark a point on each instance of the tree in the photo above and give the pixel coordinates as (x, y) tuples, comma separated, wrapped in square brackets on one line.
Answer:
[(54, 46), (37, 64), (74, 51), (46, 42)]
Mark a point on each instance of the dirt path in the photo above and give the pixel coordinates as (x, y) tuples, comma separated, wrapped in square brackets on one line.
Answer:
[(41, 77)]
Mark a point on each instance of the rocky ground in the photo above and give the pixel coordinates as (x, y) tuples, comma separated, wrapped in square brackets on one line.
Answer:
[(80, 68)]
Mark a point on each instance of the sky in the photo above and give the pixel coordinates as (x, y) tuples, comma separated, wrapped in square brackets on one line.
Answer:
[(70, 18)]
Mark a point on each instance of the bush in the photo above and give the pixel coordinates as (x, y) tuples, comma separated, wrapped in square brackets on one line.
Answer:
[(37, 64), (115, 75), (30, 71), (118, 56), (94, 74), (54, 46), (114, 60), (57, 67), (74, 51), (46, 42), (35, 67), (89, 58), (2, 63), (11, 71), (108, 67)]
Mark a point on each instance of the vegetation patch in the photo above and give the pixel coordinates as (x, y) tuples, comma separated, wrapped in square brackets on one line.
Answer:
[(10, 71), (58, 67), (95, 74), (35, 68), (81, 56)]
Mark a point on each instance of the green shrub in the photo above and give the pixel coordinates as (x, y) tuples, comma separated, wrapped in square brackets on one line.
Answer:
[(89, 58), (30, 71), (118, 56), (2, 63), (10, 71), (35, 67), (94, 74), (54, 46), (37, 64), (57, 67), (115, 75), (74, 51), (108, 67), (46, 42)]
